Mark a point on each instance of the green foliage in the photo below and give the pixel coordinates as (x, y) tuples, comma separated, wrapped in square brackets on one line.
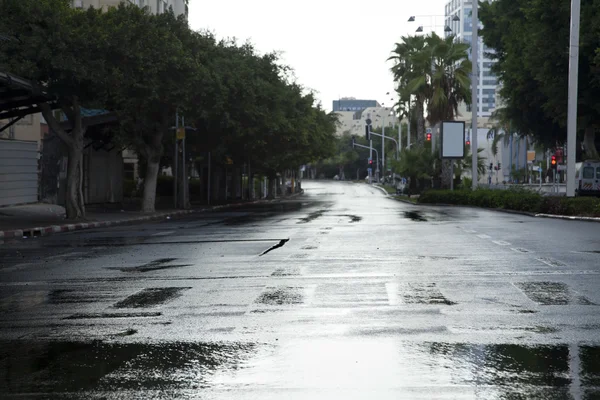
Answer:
[(435, 72), (516, 200), (531, 41)]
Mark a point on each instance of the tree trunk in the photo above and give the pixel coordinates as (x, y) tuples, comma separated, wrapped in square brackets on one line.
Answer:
[(74, 203), (152, 166), (446, 174), (589, 144), (420, 124)]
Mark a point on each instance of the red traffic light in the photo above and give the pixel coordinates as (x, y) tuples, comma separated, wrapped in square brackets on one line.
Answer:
[(429, 137), (468, 142), (553, 161)]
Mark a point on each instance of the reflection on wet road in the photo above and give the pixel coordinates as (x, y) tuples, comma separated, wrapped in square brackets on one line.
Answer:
[(339, 294)]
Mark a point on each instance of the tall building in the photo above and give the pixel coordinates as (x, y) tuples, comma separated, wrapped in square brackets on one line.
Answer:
[(352, 104), (463, 29), (156, 6)]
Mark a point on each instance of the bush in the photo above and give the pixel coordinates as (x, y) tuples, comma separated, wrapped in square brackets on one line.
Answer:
[(517, 200)]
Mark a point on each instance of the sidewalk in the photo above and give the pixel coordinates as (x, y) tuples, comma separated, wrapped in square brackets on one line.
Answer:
[(45, 219)]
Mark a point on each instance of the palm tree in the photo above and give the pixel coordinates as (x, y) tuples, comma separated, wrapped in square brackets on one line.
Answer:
[(409, 69), (449, 84), (449, 80)]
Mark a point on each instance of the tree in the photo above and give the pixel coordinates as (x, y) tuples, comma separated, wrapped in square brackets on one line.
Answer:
[(530, 39), (58, 48), (410, 68), (149, 74)]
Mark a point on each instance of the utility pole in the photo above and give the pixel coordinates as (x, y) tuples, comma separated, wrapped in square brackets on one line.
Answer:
[(572, 106), (383, 147), (175, 163), (474, 90)]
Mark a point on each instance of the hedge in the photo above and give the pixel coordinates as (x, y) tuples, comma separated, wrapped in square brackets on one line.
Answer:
[(517, 200)]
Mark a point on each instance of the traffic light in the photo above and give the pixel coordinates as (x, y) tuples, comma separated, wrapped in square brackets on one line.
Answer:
[(429, 137), (553, 162), (370, 162), (468, 142), (491, 166), (499, 166), (367, 132)]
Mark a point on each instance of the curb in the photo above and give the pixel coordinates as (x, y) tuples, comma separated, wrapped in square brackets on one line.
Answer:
[(50, 230), (382, 189), (567, 217), (502, 210)]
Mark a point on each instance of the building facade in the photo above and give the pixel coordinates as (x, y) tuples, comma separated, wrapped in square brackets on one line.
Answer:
[(462, 27), (353, 105), (155, 6)]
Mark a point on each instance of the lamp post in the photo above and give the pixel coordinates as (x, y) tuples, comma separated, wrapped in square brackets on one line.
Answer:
[(572, 106), (474, 90)]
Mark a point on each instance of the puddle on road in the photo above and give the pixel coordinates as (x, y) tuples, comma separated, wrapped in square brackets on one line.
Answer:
[(71, 296), (281, 295), (415, 216), (311, 217), (287, 271), (61, 367), (552, 293), (151, 297), (423, 293), (486, 371), (353, 218), (156, 265), (114, 315)]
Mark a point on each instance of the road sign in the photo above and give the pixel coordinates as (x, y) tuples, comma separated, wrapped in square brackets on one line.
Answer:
[(453, 139), (530, 156), (562, 167), (180, 133), (368, 121)]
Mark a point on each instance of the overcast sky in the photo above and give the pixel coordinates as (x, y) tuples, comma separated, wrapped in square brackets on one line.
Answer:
[(337, 48)]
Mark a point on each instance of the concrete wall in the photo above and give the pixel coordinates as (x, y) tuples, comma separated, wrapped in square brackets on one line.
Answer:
[(18, 172)]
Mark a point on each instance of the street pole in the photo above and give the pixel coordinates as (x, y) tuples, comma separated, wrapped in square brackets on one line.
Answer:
[(175, 162), (399, 136), (184, 171), (383, 147), (408, 130), (208, 185), (474, 90), (572, 106), (371, 157)]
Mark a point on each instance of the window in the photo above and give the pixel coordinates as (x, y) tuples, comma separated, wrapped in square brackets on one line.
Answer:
[(588, 173), (493, 82), (489, 91), (598, 173)]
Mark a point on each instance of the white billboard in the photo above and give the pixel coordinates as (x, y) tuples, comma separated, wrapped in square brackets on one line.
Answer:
[(453, 139)]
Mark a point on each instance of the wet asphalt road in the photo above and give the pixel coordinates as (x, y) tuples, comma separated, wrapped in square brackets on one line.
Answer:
[(339, 294)]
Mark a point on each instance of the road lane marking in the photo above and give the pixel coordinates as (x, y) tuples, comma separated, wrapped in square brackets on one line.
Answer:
[(484, 236), (162, 233), (392, 289), (501, 242), (551, 262), (519, 250)]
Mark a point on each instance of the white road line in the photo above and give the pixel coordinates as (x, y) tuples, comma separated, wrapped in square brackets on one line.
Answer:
[(392, 293), (162, 233), (501, 243), (520, 250), (484, 236), (551, 262), (470, 231)]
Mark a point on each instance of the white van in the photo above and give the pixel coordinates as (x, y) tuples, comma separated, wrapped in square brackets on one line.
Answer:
[(588, 178)]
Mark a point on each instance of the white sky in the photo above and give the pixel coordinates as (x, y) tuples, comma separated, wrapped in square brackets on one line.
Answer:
[(337, 48)]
